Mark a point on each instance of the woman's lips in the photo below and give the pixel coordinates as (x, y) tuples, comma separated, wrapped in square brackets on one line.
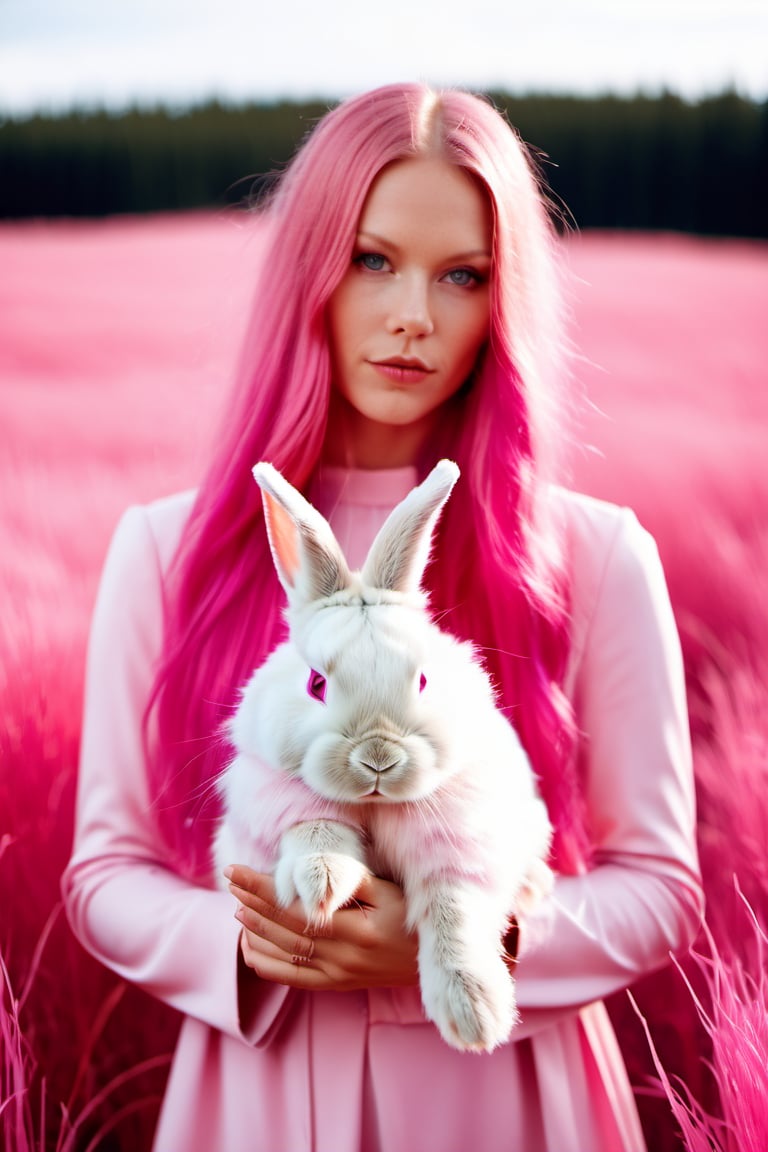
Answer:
[(402, 371)]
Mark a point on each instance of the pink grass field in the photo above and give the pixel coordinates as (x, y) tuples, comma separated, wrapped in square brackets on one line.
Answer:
[(117, 341)]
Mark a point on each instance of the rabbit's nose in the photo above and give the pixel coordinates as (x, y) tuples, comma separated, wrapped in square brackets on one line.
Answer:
[(379, 755)]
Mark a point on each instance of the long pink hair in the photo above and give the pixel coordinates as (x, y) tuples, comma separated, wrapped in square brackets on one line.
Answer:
[(498, 576)]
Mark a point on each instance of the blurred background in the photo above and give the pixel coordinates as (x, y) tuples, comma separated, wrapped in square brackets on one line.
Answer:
[(131, 134)]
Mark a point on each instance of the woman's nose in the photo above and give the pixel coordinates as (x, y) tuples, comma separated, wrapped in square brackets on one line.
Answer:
[(410, 312)]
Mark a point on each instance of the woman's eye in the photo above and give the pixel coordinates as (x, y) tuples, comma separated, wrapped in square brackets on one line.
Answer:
[(372, 261), (462, 277)]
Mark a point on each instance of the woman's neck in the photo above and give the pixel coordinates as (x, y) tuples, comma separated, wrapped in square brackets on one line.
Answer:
[(353, 441)]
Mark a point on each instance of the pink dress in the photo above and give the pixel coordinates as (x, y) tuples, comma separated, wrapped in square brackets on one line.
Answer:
[(364, 1072)]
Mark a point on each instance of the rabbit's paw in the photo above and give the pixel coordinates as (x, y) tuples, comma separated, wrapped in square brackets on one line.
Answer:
[(323, 881), (474, 1011)]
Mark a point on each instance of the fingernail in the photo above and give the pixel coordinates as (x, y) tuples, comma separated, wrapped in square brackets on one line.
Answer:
[(239, 914), (228, 871)]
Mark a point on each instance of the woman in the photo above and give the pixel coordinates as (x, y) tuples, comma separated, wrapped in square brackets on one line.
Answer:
[(407, 309)]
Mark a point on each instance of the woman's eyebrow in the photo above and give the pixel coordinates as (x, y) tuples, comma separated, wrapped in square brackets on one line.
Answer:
[(374, 237)]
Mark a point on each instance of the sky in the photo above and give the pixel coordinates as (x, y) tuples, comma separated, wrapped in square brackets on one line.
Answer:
[(59, 54)]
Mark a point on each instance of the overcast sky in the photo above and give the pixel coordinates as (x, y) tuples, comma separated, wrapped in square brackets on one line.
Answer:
[(58, 53)]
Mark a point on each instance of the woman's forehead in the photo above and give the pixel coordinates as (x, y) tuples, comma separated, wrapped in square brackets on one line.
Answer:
[(428, 195)]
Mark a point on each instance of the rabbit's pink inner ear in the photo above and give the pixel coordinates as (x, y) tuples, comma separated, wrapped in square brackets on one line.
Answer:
[(283, 537)]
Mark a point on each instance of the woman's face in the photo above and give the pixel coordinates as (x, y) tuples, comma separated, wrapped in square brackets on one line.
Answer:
[(408, 320)]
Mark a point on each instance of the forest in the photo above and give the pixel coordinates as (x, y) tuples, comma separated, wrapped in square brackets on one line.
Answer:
[(654, 163)]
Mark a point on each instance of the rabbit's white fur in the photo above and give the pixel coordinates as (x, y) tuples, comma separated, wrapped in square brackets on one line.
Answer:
[(407, 768)]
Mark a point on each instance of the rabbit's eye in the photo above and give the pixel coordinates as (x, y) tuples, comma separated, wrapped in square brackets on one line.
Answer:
[(316, 685), (422, 682)]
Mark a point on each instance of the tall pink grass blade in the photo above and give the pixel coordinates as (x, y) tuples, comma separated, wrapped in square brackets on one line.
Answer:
[(19, 1069), (700, 1132), (736, 1022), (42, 940), (86, 1056), (16, 1070), (152, 1063)]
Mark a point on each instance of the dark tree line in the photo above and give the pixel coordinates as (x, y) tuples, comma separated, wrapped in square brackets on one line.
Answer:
[(654, 163), (639, 163)]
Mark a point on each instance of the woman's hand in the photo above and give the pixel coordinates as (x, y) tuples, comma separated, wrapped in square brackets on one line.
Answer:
[(364, 946)]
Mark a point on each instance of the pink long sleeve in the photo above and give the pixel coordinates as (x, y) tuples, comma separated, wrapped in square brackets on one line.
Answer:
[(642, 898), (124, 902)]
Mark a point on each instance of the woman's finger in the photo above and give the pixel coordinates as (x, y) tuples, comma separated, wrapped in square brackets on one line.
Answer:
[(259, 885), (256, 890), (281, 970), (285, 939), (297, 960), (246, 877)]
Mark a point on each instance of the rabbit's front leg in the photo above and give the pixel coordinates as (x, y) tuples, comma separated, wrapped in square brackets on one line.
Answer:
[(323, 863), (466, 988)]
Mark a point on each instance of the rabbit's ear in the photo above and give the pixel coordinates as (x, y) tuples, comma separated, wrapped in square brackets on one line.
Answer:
[(399, 554), (308, 559)]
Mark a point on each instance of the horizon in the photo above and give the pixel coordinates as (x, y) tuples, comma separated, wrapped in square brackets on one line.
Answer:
[(175, 110)]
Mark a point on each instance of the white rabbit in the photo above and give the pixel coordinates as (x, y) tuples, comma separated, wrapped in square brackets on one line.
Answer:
[(370, 740)]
